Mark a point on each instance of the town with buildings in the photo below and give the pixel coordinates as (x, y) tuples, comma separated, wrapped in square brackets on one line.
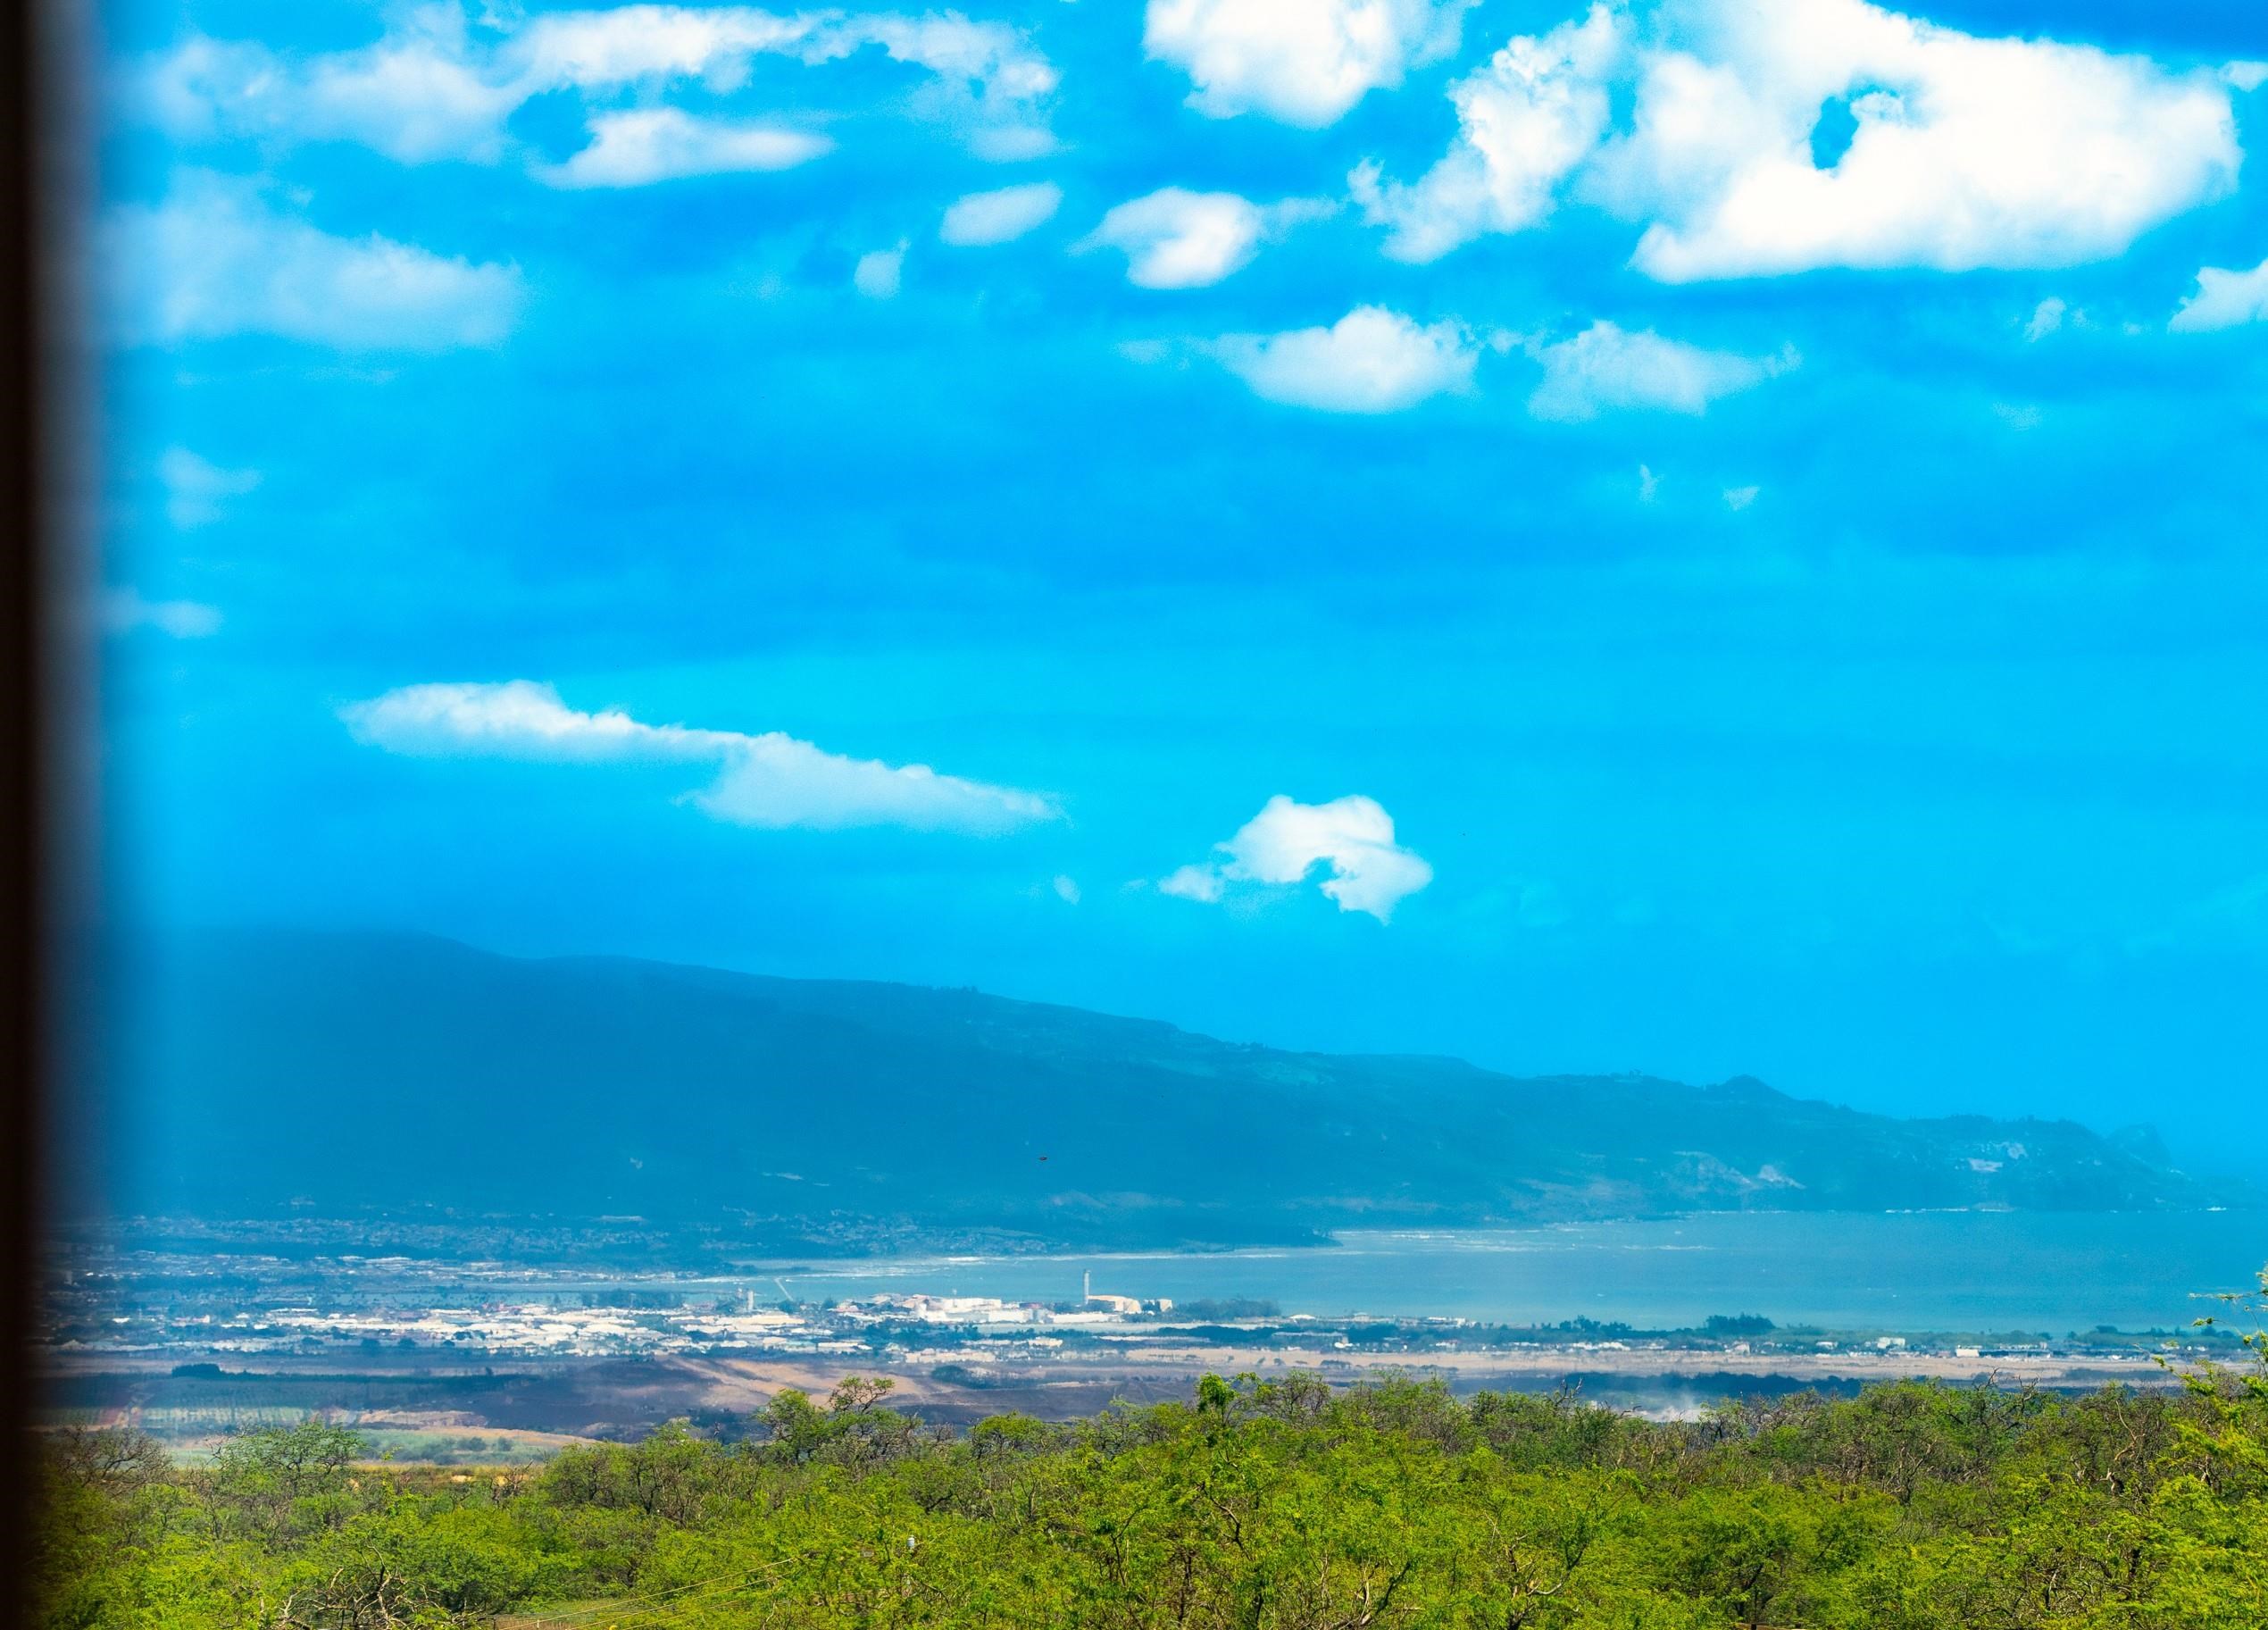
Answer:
[(197, 1299), (197, 1334)]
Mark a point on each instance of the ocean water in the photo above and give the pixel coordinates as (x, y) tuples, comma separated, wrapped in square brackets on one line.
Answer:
[(2036, 1272)]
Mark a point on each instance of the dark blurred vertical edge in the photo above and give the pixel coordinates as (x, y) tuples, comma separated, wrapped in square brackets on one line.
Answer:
[(20, 1137), (21, 718), (49, 749)]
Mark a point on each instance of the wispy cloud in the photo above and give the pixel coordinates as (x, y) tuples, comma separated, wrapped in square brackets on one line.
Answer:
[(880, 272), (1605, 367), (1370, 361), (125, 611), (422, 92), (215, 257), (767, 780), (436, 86), (194, 487), (1351, 839), (1176, 239), (641, 146), (999, 216)]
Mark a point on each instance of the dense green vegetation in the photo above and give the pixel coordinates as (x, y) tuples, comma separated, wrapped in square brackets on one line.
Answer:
[(1278, 1503)]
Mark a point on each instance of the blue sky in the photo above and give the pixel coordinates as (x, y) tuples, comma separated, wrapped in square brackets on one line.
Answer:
[(1689, 536)]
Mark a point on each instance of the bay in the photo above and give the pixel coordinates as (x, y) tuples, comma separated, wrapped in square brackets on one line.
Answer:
[(2042, 1273)]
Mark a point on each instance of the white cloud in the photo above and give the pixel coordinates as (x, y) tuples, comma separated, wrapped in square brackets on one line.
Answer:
[(1193, 882), (1176, 239), (195, 487), (1606, 367), (1066, 890), (988, 80), (1370, 361), (1737, 499), (1352, 837), (880, 272), (2224, 299), (2047, 317), (435, 86), (124, 611), (1303, 61), (1649, 485), (1000, 216), (2246, 76), (1524, 121), (418, 94), (216, 259), (771, 780), (640, 145), (1962, 152), (1966, 153), (612, 46), (517, 719)]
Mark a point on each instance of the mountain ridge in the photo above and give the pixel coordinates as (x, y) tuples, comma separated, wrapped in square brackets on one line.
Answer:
[(353, 1070)]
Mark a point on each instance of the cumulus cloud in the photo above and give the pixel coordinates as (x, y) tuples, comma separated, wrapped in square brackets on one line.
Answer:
[(435, 86), (1605, 367), (2224, 299), (216, 258), (194, 487), (1176, 239), (124, 611), (1784, 136), (641, 146), (771, 780), (1964, 153), (1303, 61), (1352, 839), (1370, 361), (999, 216), (1524, 122)]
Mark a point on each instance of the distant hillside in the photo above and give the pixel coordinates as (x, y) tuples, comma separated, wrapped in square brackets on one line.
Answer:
[(355, 1070)]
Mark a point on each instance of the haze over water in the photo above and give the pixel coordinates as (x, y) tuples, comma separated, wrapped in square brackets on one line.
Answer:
[(2036, 1272)]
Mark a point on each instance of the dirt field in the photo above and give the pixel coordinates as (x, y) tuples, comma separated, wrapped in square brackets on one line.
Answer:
[(515, 1409)]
